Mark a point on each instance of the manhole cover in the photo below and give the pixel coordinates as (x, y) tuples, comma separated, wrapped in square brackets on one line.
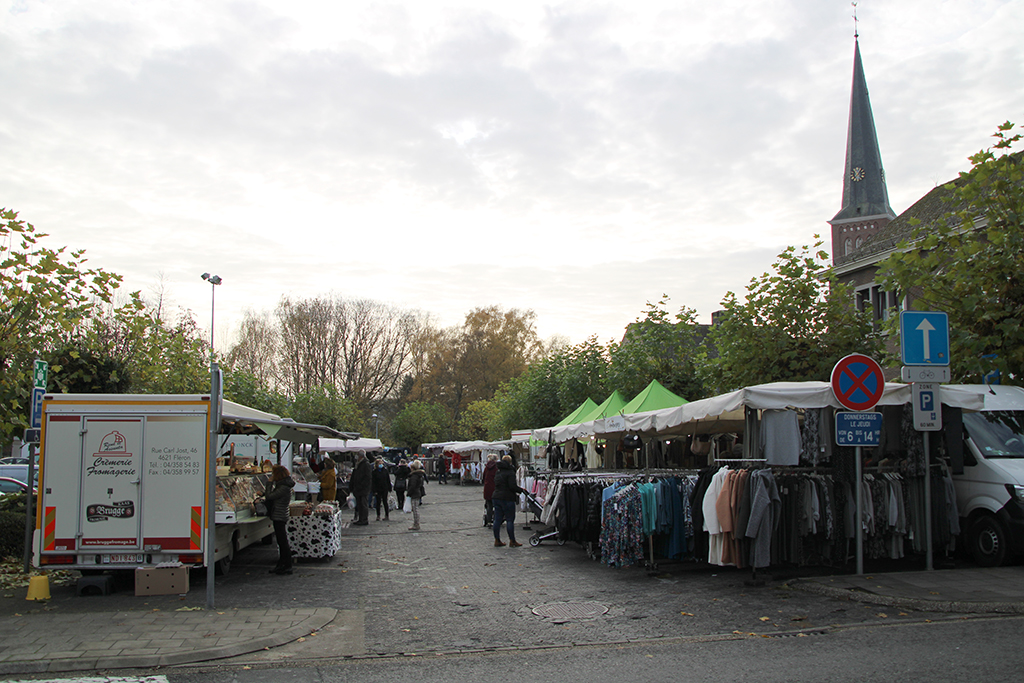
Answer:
[(571, 610)]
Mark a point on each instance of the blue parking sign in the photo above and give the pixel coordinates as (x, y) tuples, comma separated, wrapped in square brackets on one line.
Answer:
[(924, 338)]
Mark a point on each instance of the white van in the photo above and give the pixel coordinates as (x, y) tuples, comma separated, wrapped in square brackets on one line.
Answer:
[(990, 491)]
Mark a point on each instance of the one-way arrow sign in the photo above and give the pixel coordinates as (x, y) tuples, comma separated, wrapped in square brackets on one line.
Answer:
[(924, 338)]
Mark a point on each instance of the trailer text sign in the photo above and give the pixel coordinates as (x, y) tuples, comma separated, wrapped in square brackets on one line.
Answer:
[(110, 482)]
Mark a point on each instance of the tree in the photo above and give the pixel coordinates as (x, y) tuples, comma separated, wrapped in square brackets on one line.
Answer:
[(479, 422), (158, 357), (553, 387), (794, 325), (257, 351), (241, 387), (44, 294), (360, 347), (324, 405), (970, 264), (468, 363), (419, 423), (660, 347)]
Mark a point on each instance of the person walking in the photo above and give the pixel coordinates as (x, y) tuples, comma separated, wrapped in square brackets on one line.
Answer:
[(381, 487), (504, 498), (490, 469), (360, 485), (416, 491), (442, 469), (276, 497), (328, 481), (401, 482)]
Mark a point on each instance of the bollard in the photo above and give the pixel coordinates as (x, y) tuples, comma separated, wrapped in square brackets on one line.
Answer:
[(38, 588)]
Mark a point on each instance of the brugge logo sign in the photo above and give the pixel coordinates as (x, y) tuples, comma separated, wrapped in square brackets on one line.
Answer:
[(102, 512)]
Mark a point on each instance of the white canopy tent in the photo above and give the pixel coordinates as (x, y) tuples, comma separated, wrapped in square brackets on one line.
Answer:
[(725, 413), (350, 445)]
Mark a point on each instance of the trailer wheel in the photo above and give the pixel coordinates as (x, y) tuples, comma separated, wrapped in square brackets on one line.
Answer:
[(987, 541), (223, 565)]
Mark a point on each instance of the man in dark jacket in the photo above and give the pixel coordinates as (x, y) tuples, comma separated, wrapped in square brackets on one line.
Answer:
[(360, 484), (505, 492), (490, 469)]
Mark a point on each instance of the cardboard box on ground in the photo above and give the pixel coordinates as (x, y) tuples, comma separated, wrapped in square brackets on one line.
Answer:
[(161, 580)]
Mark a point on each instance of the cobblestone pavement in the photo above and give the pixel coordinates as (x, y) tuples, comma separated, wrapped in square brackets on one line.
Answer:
[(446, 588)]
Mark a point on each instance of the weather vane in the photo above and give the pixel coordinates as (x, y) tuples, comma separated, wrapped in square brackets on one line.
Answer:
[(856, 33)]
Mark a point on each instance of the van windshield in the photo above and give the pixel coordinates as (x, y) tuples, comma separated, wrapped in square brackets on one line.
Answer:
[(997, 433)]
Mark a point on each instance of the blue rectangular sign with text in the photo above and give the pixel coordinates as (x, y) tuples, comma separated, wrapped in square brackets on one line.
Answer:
[(858, 429)]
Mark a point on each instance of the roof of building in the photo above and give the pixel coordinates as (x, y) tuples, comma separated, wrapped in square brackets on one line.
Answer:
[(864, 191)]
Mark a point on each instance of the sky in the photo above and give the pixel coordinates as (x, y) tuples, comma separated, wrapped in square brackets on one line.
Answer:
[(578, 159)]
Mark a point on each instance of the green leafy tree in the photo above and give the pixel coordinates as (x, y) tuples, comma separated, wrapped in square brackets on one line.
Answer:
[(479, 422), (324, 405), (44, 294), (794, 324), (419, 423), (82, 370), (660, 346), (552, 388), (242, 387), (970, 264)]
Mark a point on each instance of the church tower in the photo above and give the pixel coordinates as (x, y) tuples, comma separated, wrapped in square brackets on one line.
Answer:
[(865, 208)]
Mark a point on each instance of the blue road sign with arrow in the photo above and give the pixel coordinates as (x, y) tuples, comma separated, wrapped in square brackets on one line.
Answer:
[(924, 338)]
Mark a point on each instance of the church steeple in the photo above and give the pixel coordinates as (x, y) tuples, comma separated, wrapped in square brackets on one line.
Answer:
[(865, 207)]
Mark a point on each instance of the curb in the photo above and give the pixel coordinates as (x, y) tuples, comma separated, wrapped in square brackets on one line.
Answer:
[(314, 622), (947, 606)]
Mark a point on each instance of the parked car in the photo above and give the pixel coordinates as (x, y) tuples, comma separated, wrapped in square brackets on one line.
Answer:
[(14, 461), (19, 472), (8, 485)]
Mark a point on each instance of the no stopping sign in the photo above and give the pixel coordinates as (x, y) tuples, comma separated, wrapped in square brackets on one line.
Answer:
[(858, 382)]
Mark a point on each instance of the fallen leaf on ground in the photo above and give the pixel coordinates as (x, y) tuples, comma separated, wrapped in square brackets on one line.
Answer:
[(765, 618), (687, 614)]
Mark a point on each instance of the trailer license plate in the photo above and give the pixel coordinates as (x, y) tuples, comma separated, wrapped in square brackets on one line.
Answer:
[(122, 559)]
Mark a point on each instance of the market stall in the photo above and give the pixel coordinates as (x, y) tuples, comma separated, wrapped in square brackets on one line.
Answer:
[(314, 532)]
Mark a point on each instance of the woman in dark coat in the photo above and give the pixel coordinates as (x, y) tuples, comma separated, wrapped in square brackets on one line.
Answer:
[(381, 486), (505, 492), (277, 497), (416, 492), (490, 469), (401, 482)]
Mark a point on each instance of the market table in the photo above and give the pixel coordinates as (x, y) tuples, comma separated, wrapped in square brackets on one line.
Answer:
[(314, 536)]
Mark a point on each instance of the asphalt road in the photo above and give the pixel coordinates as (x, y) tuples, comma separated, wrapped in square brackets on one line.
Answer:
[(965, 649)]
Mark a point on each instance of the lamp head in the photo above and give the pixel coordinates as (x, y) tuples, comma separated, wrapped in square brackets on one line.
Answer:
[(212, 279)]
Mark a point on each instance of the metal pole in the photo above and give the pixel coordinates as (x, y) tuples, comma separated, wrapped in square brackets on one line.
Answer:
[(927, 502), (859, 523), (211, 485), (30, 507)]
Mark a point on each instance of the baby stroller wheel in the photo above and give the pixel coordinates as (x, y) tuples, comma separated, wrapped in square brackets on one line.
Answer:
[(560, 541), (534, 540)]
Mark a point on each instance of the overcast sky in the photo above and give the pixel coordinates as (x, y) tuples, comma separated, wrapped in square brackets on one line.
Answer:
[(574, 158)]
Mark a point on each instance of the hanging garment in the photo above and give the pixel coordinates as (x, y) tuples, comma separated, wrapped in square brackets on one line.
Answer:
[(711, 523), (780, 437), (765, 511)]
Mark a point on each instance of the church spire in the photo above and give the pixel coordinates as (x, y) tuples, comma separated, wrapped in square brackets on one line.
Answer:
[(865, 208)]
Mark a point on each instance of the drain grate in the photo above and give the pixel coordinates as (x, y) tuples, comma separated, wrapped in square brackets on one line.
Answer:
[(571, 610)]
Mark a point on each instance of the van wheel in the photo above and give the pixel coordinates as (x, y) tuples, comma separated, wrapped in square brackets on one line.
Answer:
[(223, 565), (988, 541)]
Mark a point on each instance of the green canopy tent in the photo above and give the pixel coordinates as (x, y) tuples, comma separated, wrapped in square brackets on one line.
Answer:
[(574, 417), (612, 405), (653, 397)]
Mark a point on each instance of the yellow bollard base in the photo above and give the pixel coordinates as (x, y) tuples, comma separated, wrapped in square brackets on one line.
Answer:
[(38, 588)]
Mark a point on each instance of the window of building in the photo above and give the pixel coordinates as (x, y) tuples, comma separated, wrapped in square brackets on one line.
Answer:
[(881, 303)]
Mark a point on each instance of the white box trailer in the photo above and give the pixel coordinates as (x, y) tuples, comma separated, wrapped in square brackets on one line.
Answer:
[(123, 481)]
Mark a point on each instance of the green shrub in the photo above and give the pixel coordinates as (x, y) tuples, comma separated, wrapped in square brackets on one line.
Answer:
[(12, 534)]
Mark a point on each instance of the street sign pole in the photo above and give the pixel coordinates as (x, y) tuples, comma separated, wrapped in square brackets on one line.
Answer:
[(858, 384), (40, 375), (928, 559)]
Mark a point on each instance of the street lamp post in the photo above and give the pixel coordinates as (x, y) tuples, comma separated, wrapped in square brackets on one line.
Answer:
[(376, 421), (211, 483)]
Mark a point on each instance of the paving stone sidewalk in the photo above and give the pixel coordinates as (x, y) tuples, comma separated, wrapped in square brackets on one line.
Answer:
[(446, 588)]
